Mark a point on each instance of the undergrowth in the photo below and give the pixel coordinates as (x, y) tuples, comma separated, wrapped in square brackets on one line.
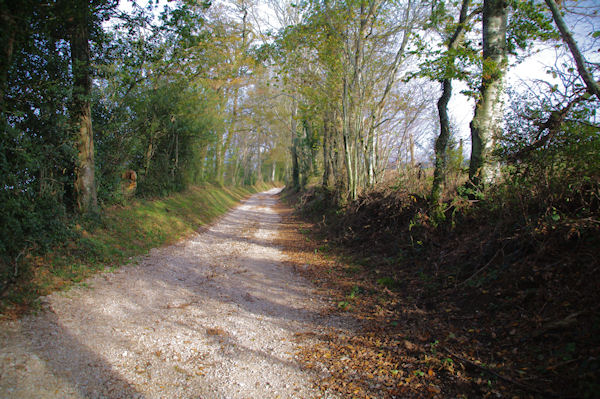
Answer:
[(513, 272), (110, 240)]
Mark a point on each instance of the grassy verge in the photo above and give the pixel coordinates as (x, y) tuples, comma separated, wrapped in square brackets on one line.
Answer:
[(121, 234)]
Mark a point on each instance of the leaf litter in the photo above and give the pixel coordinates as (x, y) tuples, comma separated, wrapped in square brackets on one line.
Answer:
[(425, 335)]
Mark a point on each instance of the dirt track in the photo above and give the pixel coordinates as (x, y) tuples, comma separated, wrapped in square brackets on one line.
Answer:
[(214, 316)]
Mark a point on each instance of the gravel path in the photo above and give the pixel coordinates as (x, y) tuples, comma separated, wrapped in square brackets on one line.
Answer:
[(214, 316)]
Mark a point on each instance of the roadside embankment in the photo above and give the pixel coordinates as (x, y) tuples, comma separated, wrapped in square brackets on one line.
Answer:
[(119, 235)]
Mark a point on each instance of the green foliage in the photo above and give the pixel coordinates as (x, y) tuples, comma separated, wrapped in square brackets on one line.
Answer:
[(36, 152), (529, 20), (470, 191), (553, 177), (150, 113), (355, 292), (441, 62), (388, 282), (159, 126)]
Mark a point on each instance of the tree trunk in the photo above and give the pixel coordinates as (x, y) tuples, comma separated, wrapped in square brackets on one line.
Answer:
[(85, 184), (8, 37), (348, 134), (293, 149), (223, 148), (328, 149), (488, 111), (176, 163), (149, 154), (370, 157), (259, 164), (273, 167), (218, 171), (259, 176), (441, 143), (326, 166), (350, 168), (411, 150), (201, 170), (340, 176)]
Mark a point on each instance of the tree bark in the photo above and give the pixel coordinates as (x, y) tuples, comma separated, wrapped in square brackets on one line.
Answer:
[(223, 145), (327, 150), (347, 142), (259, 176), (337, 157), (488, 111), (176, 164), (85, 184), (8, 36), (218, 173), (293, 149), (273, 167), (411, 150), (200, 177), (441, 143)]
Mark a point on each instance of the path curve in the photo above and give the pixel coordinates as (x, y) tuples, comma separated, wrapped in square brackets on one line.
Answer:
[(213, 316)]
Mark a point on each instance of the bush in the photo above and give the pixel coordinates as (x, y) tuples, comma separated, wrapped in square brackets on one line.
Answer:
[(551, 175)]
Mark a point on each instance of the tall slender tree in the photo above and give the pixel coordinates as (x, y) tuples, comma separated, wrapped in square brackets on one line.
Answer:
[(441, 143)]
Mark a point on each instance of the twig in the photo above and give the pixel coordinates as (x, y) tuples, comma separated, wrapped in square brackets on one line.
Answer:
[(16, 273), (558, 324), (481, 269), (562, 364), (502, 377)]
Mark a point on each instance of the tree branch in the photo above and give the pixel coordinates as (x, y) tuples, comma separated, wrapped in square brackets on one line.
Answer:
[(552, 124), (567, 37)]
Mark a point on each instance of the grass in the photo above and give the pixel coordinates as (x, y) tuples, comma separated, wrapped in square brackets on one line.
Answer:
[(117, 238)]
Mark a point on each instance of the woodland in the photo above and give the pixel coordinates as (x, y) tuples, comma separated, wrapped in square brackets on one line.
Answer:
[(354, 106)]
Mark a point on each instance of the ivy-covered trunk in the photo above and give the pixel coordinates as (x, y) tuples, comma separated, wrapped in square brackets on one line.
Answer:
[(488, 111), (85, 184)]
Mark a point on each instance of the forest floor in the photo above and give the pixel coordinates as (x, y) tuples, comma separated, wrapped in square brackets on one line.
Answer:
[(217, 315), (432, 326)]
